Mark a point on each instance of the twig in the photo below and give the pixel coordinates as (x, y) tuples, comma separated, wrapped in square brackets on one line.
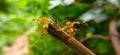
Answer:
[(54, 30), (95, 36)]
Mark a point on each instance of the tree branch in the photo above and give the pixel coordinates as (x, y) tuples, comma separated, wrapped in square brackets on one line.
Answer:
[(54, 30), (114, 34)]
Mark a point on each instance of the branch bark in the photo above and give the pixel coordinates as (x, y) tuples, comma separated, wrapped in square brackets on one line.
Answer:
[(54, 30)]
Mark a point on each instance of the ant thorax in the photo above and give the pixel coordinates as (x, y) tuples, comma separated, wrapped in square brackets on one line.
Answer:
[(69, 28)]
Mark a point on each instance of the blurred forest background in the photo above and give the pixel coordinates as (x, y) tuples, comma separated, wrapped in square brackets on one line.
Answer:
[(95, 15)]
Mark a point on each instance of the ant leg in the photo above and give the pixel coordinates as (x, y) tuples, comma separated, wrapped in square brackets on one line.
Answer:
[(43, 32)]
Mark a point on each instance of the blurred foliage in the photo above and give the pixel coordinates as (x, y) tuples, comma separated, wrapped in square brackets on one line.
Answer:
[(16, 17)]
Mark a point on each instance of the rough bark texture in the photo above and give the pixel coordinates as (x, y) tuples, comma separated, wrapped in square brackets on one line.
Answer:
[(54, 30)]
